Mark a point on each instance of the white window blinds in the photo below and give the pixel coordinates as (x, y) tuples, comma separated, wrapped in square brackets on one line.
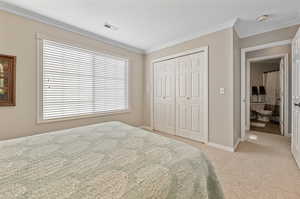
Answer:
[(77, 82)]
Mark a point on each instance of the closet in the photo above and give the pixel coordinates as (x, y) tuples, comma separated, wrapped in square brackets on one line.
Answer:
[(180, 95)]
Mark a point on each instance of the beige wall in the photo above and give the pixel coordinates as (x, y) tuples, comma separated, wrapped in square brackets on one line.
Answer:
[(220, 75), (269, 37), (17, 37)]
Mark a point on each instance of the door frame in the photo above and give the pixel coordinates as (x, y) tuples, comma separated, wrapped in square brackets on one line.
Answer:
[(285, 56), (184, 53), (243, 78)]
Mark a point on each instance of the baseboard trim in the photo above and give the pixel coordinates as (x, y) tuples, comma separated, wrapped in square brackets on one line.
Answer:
[(236, 144), (219, 146), (296, 157)]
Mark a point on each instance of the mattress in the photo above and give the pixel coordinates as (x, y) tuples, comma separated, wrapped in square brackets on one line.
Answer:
[(104, 161)]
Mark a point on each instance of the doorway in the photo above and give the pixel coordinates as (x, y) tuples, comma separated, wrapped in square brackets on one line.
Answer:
[(266, 84), (280, 112)]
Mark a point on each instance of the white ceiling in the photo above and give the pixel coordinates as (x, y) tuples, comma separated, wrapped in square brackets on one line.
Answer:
[(152, 24)]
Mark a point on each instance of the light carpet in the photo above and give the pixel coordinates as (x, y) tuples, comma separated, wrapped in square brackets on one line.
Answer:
[(260, 169)]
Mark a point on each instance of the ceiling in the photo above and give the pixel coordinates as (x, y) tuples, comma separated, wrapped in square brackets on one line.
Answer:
[(147, 25)]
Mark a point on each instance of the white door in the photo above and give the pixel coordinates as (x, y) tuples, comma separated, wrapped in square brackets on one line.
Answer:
[(164, 96), (191, 97), (296, 98), (281, 96)]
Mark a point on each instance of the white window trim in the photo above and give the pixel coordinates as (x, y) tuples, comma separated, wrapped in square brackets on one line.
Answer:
[(39, 120)]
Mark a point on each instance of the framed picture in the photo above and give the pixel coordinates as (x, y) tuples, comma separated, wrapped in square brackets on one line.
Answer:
[(7, 80)]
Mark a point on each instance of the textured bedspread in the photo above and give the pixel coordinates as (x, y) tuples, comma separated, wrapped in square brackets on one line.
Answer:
[(104, 161)]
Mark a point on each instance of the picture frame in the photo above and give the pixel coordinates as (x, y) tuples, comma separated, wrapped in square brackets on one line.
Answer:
[(7, 80)]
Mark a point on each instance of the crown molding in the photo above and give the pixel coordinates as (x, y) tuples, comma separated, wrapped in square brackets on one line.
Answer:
[(243, 33), (50, 21), (236, 28), (235, 23), (228, 24)]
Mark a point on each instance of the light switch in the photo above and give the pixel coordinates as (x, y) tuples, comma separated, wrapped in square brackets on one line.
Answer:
[(222, 91)]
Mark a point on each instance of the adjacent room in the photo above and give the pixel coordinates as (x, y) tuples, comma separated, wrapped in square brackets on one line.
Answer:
[(265, 97), (194, 99), (268, 90)]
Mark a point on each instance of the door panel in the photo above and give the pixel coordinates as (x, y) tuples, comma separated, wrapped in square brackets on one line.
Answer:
[(296, 98), (196, 85), (180, 96), (164, 96), (297, 138), (196, 118), (181, 74), (190, 81)]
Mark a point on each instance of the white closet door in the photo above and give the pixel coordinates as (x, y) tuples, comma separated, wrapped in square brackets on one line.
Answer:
[(191, 97), (296, 98), (164, 96)]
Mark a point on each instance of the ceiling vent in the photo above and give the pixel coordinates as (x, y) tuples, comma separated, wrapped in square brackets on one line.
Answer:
[(111, 27)]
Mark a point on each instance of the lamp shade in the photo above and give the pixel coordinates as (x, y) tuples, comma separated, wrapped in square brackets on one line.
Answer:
[(254, 90), (262, 90)]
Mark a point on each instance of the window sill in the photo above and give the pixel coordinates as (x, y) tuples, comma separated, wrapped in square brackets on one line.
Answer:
[(104, 114)]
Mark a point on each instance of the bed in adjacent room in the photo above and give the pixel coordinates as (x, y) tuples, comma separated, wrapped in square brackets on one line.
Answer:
[(108, 161)]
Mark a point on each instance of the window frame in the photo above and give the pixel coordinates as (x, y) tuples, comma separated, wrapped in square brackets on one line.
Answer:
[(40, 38)]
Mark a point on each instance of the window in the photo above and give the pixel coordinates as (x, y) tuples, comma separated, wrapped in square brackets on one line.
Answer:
[(75, 82)]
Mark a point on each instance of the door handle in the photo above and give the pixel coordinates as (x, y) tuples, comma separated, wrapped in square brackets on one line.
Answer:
[(297, 104), (188, 98)]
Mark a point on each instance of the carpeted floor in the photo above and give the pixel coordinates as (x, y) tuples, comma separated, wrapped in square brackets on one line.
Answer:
[(260, 169)]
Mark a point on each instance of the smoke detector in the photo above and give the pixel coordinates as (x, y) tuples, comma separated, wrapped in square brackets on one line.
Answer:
[(110, 26), (262, 18)]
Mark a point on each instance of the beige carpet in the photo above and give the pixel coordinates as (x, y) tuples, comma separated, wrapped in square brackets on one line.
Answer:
[(260, 169)]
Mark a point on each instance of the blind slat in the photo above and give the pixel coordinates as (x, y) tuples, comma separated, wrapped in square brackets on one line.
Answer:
[(78, 82)]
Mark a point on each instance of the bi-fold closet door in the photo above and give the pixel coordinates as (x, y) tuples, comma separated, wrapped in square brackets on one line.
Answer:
[(164, 96), (180, 96)]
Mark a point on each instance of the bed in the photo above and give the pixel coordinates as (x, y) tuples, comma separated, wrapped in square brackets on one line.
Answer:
[(104, 161)]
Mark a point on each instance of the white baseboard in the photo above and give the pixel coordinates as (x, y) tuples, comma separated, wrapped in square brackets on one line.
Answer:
[(296, 157), (219, 146), (236, 144), (225, 148)]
